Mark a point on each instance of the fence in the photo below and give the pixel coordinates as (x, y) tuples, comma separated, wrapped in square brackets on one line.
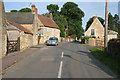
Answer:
[(98, 42)]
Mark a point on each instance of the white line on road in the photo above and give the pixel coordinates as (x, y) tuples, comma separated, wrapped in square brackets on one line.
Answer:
[(60, 70), (62, 54)]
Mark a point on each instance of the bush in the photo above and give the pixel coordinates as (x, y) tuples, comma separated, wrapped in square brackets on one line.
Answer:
[(114, 47)]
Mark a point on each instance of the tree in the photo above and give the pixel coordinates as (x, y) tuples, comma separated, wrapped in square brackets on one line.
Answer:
[(46, 14), (110, 21), (74, 16), (58, 18), (91, 21), (13, 11), (25, 10), (52, 8)]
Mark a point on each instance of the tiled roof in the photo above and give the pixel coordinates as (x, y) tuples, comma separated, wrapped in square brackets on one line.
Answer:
[(48, 22), (20, 27), (20, 17)]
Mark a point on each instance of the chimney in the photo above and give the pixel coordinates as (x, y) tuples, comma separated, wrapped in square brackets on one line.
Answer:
[(36, 11), (94, 18), (51, 17), (33, 9)]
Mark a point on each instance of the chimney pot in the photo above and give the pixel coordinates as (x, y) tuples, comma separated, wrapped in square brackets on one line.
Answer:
[(51, 17), (33, 9), (36, 11), (94, 18)]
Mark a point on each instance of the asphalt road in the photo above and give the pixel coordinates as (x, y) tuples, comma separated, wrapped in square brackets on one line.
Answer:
[(68, 60)]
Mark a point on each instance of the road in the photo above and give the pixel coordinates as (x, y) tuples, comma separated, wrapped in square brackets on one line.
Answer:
[(68, 60)]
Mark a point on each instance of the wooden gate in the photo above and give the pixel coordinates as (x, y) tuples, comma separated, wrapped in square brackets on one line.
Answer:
[(99, 42), (12, 46)]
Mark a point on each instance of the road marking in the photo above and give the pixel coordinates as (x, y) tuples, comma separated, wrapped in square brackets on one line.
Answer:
[(60, 70), (62, 54)]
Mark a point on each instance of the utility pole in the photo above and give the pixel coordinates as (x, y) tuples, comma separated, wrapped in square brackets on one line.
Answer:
[(106, 28)]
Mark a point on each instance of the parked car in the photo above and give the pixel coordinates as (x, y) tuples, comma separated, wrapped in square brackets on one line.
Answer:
[(52, 41)]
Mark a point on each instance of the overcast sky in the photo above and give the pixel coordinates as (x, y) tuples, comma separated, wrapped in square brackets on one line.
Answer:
[(89, 8)]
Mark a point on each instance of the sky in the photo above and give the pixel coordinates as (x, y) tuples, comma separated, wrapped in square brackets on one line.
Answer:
[(89, 8)]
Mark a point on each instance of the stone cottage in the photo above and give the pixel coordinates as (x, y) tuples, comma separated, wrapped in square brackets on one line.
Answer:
[(3, 32), (97, 30), (26, 19), (48, 28), (15, 31)]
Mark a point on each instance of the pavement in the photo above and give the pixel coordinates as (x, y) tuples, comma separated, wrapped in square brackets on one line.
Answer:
[(15, 57), (67, 60)]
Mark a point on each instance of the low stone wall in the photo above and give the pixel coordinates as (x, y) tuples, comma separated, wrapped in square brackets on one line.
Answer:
[(98, 42), (26, 40), (92, 41)]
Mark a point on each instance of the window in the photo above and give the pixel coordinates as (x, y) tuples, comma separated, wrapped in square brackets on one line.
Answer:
[(55, 30), (48, 37), (47, 29), (92, 32)]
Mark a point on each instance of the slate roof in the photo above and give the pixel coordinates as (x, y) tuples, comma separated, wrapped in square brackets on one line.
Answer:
[(20, 17), (20, 27), (48, 22)]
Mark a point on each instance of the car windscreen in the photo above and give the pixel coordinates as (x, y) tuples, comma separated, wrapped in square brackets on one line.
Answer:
[(52, 39)]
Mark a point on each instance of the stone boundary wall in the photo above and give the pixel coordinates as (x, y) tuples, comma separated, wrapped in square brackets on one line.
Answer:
[(26, 40), (98, 42)]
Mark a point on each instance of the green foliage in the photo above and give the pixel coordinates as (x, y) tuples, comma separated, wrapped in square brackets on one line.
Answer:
[(13, 11), (86, 38), (73, 36), (70, 17), (113, 23), (46, 14), (39, 37), (25, 10), (52, 8), (74, 16), (91, 21), (109, 60), (62, 23)]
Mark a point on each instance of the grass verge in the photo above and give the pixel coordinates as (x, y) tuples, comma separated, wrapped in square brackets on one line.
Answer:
[(107, 59)]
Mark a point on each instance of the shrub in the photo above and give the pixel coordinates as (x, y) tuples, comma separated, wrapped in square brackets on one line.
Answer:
[(114, 47)]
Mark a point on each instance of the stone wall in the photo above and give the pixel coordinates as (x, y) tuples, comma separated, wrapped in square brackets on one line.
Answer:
[(110, 36), (28, 26), (3, 32), (49, 32), (98, 27), (26, 40), (10, 34), (98, 42)]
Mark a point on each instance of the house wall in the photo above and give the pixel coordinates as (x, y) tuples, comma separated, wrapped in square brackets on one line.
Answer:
[(49, 32), (12, 35), (3, 32), (34, 29), (26, 40), (99, 29), (110, 36)]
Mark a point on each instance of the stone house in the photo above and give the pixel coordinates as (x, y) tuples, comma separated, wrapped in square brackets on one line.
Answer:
[(48, 28), (39, 25), (97, 30), (3, 32), (15, 31), (26, 19)]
